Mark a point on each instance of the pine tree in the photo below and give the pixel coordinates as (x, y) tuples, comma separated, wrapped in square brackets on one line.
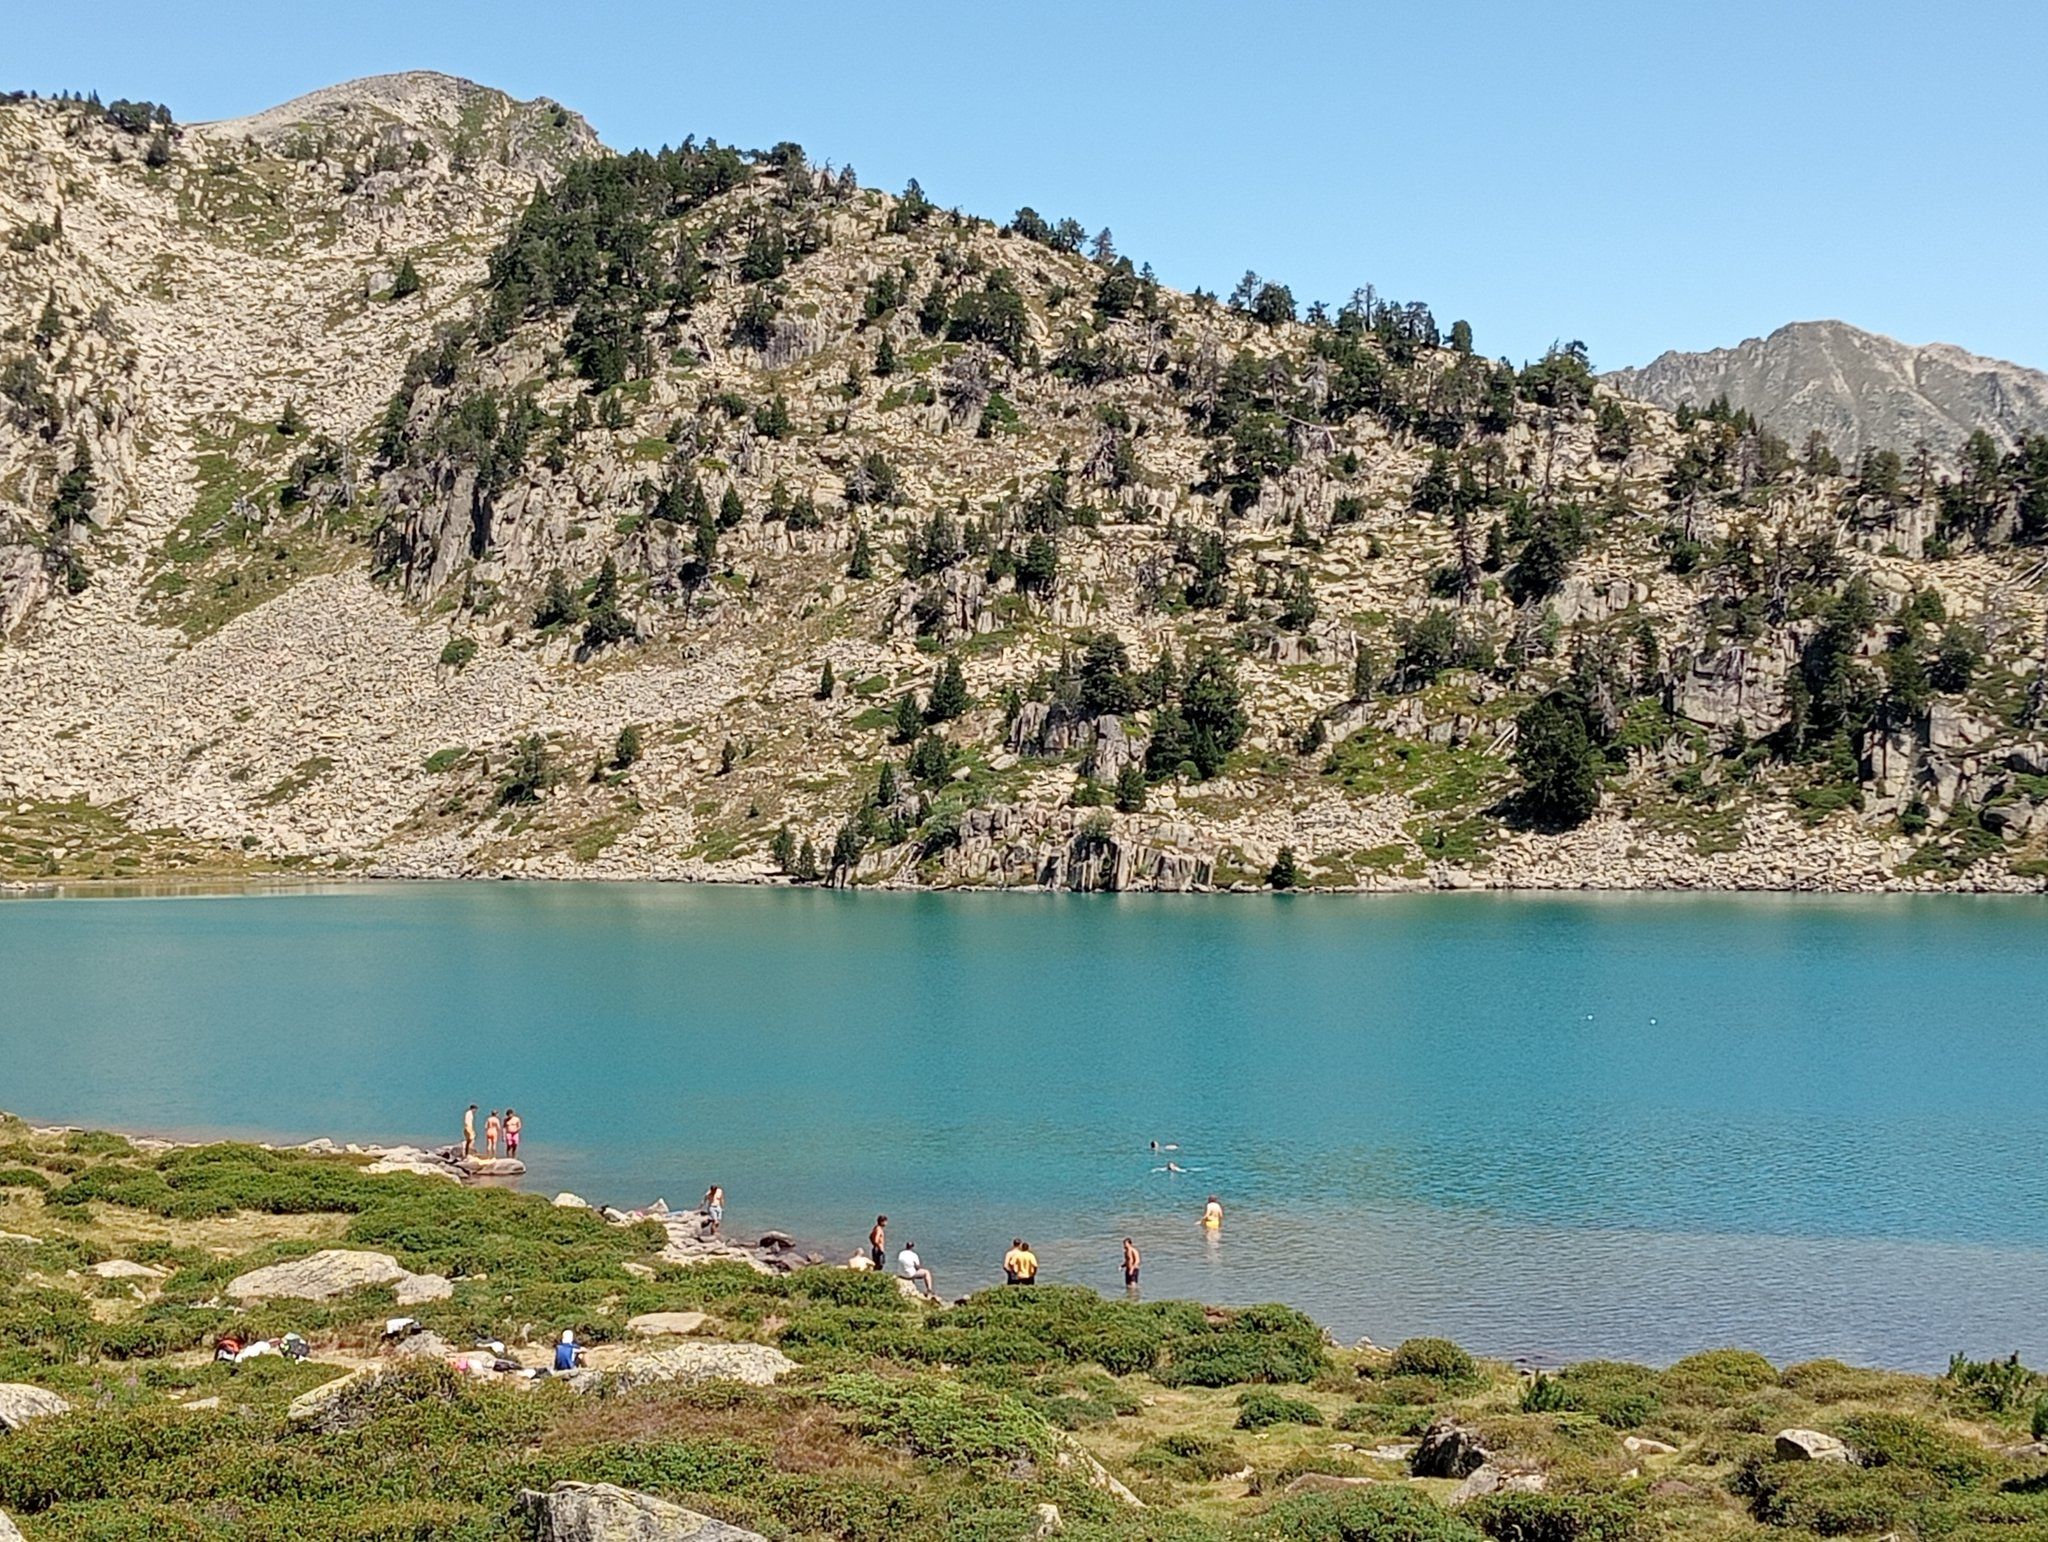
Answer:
[(291, 421), (782, 847), (826, 684), (806, 863), (730, 510), (407, 280), (557, 603), (1285, 874), (885, 357), (861, 565), (627, 749), (608, 622), (909, 719), (885, 785), (1130, 790), (728, 757), (948, 697)]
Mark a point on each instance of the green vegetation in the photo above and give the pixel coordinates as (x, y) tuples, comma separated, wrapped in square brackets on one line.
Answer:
[(902, 1420)]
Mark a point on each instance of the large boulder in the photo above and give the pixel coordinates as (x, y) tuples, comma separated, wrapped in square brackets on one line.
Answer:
[(1810, 1446), (9, 1532), (654, 1325), (757, 1365), (1449, 1450), (600, 1512), (412, 1289), (321, 1407), (317, 1276), (20, 1403)]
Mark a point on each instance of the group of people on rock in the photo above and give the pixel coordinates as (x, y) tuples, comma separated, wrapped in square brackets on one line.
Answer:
[(496, 1127)]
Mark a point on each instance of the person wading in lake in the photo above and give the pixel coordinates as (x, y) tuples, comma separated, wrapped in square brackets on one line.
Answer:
[(1212, 1214), (469, 1131), (513, 1125), (1020, 1264), (878, 1242), (491, 1135), (714, 1206), (1132, 1260)]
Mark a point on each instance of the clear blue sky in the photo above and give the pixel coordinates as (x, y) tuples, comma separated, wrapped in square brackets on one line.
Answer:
[(1638, 174)]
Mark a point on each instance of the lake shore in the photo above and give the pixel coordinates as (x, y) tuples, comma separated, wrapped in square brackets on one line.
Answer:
[(825, 1402)]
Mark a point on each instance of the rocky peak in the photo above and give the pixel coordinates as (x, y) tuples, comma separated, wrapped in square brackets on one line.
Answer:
[(1860, 389)]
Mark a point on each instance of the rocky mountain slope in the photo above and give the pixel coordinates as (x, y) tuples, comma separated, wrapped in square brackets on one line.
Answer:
[(1857, 389), (397, 482)]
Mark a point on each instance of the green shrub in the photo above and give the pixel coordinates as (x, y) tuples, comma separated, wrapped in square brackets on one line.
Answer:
[(1718, 1376), (947, 1422), (1900, 1440), (1830, 1499), (1257, 1410), (22, 1178), (1189, 1458), (1996, 1386), (1438, 1359), (1618, 1394), (1380, 1514), (458, 652), (1556, 1517)]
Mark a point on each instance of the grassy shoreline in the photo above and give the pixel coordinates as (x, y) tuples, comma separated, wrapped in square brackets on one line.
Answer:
[(898, 1420)]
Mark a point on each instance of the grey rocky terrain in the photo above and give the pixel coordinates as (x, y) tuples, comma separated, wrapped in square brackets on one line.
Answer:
[(396, 482)]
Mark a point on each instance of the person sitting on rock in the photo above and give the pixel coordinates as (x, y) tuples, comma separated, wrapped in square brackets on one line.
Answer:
[(568, 1353), (913, 1269)]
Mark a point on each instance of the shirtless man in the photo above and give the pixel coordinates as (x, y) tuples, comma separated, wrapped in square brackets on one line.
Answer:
[(469, 1130), (1132, 1261), (878, 1242)]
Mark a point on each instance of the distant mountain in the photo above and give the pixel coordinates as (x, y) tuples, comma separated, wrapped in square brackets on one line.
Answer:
[(1858, 388)]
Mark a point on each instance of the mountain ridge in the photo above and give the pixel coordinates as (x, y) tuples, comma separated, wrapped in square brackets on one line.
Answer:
[(1858, 389), (413, 486)]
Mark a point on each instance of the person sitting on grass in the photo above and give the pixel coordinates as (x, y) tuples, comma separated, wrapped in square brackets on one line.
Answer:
[(568, 1353)]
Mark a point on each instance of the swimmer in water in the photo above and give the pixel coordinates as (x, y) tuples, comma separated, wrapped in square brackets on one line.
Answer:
[(1212, 1214)]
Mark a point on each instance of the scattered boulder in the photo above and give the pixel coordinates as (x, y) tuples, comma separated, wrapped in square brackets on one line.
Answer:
[(601, 1512), (1489, 1479), (1449, 1450), (1046, 1521), (757, 1365), (19, 1403), (125, 1269), (415, 1288), (1326, 1483), (567, 1201), (9, 1532), (1642, 1445), (421, 1346), (493, 1167), (316, 1408), (318, 1276), (1071, 1456), (654, 1325), (1810, 1446)]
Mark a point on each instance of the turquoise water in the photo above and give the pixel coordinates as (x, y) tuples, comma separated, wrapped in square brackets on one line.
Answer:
[(1546, 1126)]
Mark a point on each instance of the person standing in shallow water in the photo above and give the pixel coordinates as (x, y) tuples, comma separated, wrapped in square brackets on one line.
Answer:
[(491, 1128), (1132, 1261), (1212, 1214), (469, 1131)]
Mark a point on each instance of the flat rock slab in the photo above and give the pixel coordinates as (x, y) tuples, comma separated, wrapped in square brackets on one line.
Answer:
[(656, 1324), (757, 1365), (335, 1272), (415, 1288), (317, 1406), (317, 1276), (492, 1167), (599, 1512), (9, 1532), (125, 1269), (1809, 1446), (20, 1403)]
